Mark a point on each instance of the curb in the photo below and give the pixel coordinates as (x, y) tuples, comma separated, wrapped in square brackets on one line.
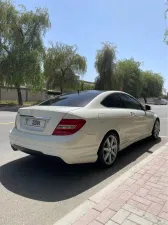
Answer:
[(79, 211)]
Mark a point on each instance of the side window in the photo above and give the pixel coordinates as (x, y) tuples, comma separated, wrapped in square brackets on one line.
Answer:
[(112, 101), (130, 102)]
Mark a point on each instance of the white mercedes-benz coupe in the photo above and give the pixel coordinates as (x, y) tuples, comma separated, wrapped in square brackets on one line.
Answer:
[(84, 127)]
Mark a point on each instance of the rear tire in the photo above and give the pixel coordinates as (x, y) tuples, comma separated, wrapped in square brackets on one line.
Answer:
[(156, 130), (108, 150)]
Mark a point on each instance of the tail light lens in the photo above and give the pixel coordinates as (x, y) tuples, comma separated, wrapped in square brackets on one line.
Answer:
[(69, 126)]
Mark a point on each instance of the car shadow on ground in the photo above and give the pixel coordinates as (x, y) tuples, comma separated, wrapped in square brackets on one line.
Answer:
[(48, 180)]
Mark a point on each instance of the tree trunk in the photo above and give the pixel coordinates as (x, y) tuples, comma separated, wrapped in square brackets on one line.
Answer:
[(20, 101), (62, 81), (61, 90), (61, 87)]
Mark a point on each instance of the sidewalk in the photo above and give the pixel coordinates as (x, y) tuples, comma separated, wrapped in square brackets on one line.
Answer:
[(138, 197)]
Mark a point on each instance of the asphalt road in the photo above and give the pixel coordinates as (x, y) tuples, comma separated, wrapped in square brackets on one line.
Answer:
[(40, 191)]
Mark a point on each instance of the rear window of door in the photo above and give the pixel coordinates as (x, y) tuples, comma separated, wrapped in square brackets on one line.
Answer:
[(112, 101), (129, 102)]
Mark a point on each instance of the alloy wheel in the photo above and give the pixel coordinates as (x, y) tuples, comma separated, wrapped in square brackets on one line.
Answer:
[(156, 129), (110, 149)]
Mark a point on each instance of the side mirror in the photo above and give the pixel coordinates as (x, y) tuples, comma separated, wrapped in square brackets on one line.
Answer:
[(147, 107)]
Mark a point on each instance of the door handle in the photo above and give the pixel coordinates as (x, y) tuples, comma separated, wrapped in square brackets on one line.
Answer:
[(132, 114)]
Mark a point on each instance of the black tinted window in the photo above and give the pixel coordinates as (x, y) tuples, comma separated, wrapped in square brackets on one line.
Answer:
[(130, 102), (112, 101), (72, 100)]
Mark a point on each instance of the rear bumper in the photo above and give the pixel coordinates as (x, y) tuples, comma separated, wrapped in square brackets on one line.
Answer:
[(26, 150), (78, 148)]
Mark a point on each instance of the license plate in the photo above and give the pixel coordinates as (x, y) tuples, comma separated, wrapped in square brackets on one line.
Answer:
[(34, 122)]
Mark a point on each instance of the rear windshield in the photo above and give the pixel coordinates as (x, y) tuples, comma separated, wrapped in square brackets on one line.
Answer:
[(72, 100)]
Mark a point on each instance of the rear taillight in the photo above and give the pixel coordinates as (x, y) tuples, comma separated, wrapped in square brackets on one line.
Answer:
[(68, 126)]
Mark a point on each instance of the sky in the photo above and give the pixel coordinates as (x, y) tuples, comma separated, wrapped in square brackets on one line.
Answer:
[(135, 27)]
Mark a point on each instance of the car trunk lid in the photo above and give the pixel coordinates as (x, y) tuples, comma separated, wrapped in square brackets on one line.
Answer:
[(41, 120)]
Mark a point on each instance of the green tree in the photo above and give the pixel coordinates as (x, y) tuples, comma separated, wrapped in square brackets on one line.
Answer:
[(82, 83), (63, 66), (152, 84), (21, 46), (89, 87), (86, 86), (128, 75), (105, 67)]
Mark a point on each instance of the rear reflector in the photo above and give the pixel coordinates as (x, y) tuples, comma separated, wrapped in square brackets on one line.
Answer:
[(69, 126)]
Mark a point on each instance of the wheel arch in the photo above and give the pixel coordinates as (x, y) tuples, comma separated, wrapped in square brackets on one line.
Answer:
[(155, 119)]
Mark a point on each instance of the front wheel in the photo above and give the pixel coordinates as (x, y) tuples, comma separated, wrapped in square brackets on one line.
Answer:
[(108, 150), (156, 130)]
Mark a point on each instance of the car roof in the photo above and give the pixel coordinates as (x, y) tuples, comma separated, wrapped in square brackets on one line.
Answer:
[(103, 92), (98, 92)]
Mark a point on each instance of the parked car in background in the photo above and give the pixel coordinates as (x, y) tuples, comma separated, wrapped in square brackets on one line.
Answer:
[(159, 101), (84, 127), (163, 102)]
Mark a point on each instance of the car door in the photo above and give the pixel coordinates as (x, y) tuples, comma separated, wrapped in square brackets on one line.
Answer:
[(119, 118), (139, 119)]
